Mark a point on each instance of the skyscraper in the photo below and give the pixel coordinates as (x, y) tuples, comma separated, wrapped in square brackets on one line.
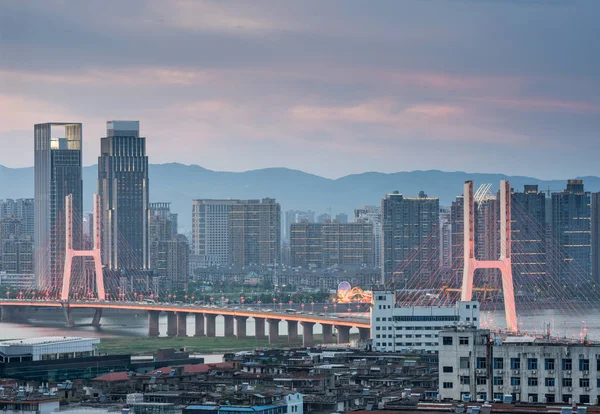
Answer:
[(372, 214), (571, 230), (124, 192), (528, 237), (596, 237), (255, 232), (410, 238), (57, 149)]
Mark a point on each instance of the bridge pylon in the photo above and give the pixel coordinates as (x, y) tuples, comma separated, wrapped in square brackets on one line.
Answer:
[(71, 253), (504, 262)]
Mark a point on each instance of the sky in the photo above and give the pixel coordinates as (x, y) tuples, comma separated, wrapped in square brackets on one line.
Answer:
[(327, 87)]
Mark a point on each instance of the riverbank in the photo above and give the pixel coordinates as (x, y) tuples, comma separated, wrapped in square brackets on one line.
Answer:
[(145, 345)]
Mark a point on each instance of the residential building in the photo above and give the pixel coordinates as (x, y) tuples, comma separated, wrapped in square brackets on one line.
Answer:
[(210, 231), (475, 364), (331, 244), (322, 218), (571, 232), (396, 328), (57, 170), (410, 238), (293, 217), (446, 256), (255, 232), (123, 187), (457, 215), (372, 214), (595, 237), (528, 236), (341, 218), (22, 209), (172, 262)]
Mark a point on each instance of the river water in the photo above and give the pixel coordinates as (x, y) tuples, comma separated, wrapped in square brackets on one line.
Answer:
[(50, 322)]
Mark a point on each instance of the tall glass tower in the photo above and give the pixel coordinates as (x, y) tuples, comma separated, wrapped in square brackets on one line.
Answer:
[(123, 189), (57, 174)]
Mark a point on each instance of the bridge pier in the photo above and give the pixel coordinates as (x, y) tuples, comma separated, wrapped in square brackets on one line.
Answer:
[(153, 329), (181, 323), (199, 324), (292, 331), (97, 317), (171, 324), (228, 326), (327, 334), (259, 328), (364, 334), (14, 314), (211, 325), (273, 330), (68, 316), (240, 326), (307, 334), (343, 333)]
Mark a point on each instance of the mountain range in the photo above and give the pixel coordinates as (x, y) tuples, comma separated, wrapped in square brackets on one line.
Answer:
[(294, 190)]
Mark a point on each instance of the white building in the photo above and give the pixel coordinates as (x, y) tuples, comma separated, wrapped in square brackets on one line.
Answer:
[(47, 348), (544, 370), (372, 214), (210, 231), (17, 280), (395, 328), (294, 403)]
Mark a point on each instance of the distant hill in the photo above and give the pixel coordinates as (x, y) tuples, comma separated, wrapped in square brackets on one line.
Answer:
[(180, 184)]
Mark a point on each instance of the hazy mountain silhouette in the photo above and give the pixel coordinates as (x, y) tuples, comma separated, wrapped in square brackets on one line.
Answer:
[(297, 190)]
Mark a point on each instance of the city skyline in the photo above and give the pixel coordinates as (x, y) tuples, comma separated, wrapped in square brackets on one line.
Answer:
[(464, 82)]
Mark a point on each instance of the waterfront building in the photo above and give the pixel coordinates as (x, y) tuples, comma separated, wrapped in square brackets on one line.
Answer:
[(21, 209), (47, 348), (57, 171), (210, 232), (571, 232), (372, 214), (123, 187), (446, 256), (595, 237), (395, 328), (410, 238), (476, 365)]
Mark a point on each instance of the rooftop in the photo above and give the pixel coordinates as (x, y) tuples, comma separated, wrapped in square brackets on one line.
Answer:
[(45, 340)]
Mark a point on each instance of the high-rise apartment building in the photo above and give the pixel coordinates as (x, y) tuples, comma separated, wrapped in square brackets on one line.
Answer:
[(571, 231), (210, 231), (596, 237), (331, 244), (57, 170), (22, 209), (528, 252), (457, 216), (372, 214), (255, 232), (410, 238), (171, 262), (124, 192), (445, 242), (293, 217)]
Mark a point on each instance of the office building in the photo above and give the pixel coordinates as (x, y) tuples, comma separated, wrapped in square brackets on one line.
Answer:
[(210, 231), (255, 232), (410, 238), (124, 193), (528, 236), (57, 170), (397, 328), (372, 215), (478, 366), (571, 232)]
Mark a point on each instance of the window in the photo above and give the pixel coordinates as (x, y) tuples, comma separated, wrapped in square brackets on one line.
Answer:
[(566, 398), (463, 340), (598, 383), (377, 319), (515, 363), (498, 363), (550, 398), (515, 381), (584, 365), (481, 363), (567, 382), (448, 385), (532, 363), (377, 336), (532, 382), (448, 369), (465, 380), (498, 381), (465, 363), (481, 381), (584, 399), (498, 396), (567, 364), (549, 382), (584, 382), (446, 340), (533, 398), (549, 364), (597, 364)]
